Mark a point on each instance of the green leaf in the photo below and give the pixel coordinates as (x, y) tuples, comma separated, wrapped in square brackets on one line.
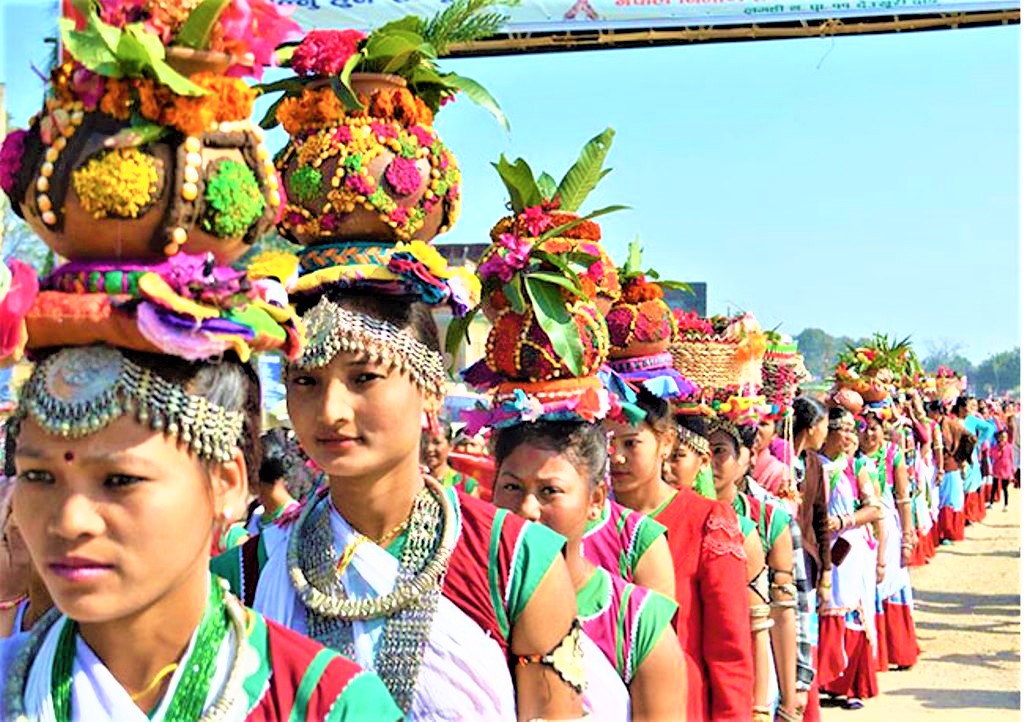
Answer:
[(565, 227), (195, 32), (479, 95), (94, 24), (88, 48), (562, 262), (384, 47), (345, 93), (559, 280), (513, 291), (548, 186), (677, 286), (133, 54), (634, 259), (556, 321), (175, 80), (270, 117), (518, 179), (288, 85), (586, 172), (458, 330), (283, 53)]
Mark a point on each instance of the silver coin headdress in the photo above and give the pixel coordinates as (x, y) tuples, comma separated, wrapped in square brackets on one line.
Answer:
[(79, 391), (332, 329)]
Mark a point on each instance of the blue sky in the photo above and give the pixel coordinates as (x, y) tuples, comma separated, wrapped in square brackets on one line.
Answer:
[(853, 184)]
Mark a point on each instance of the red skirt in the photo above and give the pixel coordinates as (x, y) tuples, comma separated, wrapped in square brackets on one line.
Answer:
[(919, 557), (974, 507), (832, 656), (859, 678), (900, 634), (936, 535), (951, 524)]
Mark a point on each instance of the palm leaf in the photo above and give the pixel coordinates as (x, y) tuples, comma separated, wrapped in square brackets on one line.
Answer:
[(586, 172)]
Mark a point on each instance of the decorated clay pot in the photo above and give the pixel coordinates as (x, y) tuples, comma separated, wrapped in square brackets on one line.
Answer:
[(641, 323), (520, 350), (381, 175), (849, 400), (189, 60), (207, 193)]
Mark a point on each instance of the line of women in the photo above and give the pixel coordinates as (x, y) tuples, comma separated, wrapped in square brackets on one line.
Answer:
[(633, 563)]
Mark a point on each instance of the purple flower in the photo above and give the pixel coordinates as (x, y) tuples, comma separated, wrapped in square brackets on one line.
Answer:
[(515, 254), (329, 222), (359, 183), (11, 153), (88, 87), (403, 175)]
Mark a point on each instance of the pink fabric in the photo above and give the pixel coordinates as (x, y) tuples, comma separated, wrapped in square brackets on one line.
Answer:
[(781, 450), (770, 473), (1002, 461)]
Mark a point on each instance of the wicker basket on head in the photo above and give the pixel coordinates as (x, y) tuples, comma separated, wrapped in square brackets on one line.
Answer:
[(711, 362)]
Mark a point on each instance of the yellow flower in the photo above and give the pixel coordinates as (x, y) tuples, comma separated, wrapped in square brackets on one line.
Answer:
[(273, 264)]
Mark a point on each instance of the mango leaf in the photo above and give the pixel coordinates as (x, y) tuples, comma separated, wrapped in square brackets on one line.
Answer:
[(519, 181), (634, 259), (94, 24), (284, 52), (291, 86), (558, 280), (559, 230), (195, 32), (561, 262), (133, 54), (586, 172), (513, 291), (88, 48), (175, 80), (583, 259), (479, 95), (556, 321), (425, 74), (458, 330), (381, 47), (548, 186), (408, 24), (677, 286), (270, 117), (343, 83)]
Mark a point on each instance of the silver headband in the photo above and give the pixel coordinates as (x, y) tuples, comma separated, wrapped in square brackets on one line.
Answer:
[(693, 440), (79, 391), (331, 330)]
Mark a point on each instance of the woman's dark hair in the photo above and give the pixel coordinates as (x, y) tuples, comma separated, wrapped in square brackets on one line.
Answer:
[(961, 404), (658, 413), (584, 445), (693, 422), (271, 470), (399, 311), (748, 435), (807, 412), (933, 406)]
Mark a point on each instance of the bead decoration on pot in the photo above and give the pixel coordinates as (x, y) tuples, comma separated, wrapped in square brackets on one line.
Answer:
[(364, 162), (144, 171), (144, 148), (782, 372)]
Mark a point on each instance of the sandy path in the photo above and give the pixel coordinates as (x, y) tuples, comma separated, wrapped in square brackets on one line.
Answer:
[(968, 625)]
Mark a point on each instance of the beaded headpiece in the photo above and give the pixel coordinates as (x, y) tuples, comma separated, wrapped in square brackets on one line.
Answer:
[(846, 421), (79, 391), (693, 440), (719, 423), (332, 330)]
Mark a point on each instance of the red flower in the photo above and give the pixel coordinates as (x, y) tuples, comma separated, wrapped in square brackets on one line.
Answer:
[(24, 287), (403, 175), (325, 52), (536, 219)]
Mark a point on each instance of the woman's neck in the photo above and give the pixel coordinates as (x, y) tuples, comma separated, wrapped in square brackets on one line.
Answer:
[(275, 498), (580, 569), (373, 506), (727, 494), (831, 451), (799, 442), (648, 497), (137, 647)]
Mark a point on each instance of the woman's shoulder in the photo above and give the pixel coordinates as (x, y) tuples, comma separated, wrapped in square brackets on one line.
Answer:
[(316, 678)]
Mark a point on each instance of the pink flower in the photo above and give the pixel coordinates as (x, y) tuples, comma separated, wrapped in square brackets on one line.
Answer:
[(295, 219), (11, 153), (421, 134), (343, 135), (400, 215), (329, 222), (536, 219), (383, 130), (88, 87), (514, 255), (403, 175), (359, 183), (325, 52), (257, 27), (14, 307)]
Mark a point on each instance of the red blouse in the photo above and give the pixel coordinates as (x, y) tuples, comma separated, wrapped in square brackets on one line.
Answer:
[(713, 624)]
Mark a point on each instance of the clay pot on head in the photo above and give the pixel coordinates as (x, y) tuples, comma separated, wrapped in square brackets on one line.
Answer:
[(337, 190), (519, 349), (88, 200), (640, 329)]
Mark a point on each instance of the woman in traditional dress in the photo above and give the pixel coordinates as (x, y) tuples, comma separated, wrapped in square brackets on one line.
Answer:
[(846, 663), (731, 452), (553, 472), (438, 592), (141, 630), (690, 464), (436, 445), (897, 638), (713, 623)]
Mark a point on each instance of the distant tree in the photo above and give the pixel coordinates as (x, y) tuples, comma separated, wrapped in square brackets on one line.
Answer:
[(998, 374)]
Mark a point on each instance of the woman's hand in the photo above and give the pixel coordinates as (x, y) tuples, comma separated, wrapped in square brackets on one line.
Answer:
[(834, 524)]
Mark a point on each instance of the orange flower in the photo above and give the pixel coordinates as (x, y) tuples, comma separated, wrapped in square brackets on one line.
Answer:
[(405, 106), (425, 116), (152, 99), (380, 105), (117, 99), (230, 98), (314, 109)]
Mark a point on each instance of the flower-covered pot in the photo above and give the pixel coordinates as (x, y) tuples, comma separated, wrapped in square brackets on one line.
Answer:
[(214, 192), (380, 175), (518, 348), (640, 323)]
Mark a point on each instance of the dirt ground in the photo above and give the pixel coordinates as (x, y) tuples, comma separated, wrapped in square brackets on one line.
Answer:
[(968, 626)]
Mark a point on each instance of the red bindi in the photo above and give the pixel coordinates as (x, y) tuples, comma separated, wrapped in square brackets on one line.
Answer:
[(69, 456)]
